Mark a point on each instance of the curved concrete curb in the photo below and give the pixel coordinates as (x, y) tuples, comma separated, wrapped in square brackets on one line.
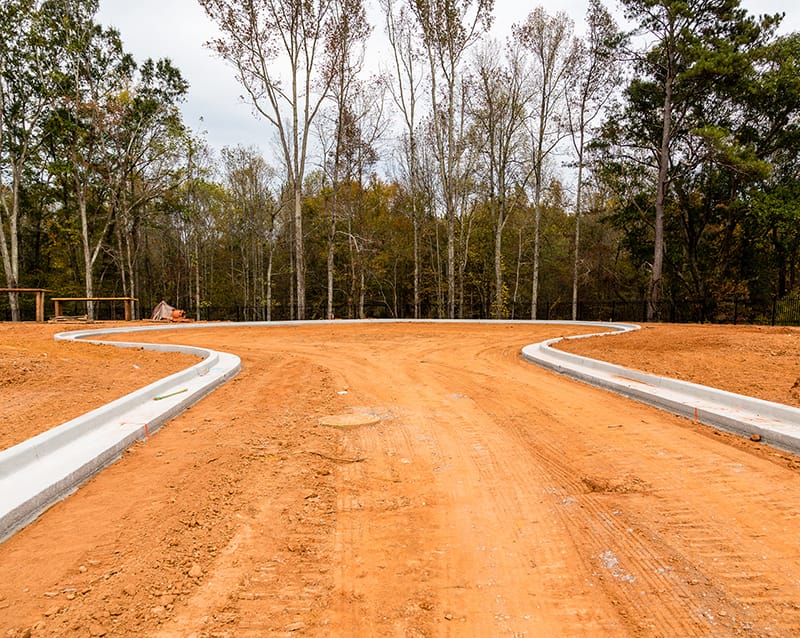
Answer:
[(777, 424), (45, 469), (41, 471)]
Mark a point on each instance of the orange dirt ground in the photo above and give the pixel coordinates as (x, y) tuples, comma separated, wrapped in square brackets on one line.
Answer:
[(492, 498)]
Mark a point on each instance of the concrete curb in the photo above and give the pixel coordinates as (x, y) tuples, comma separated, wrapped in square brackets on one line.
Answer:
[(48, 467), (43, 470), (777, 424)]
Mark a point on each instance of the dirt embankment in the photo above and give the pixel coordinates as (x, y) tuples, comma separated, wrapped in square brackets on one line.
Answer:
[(757, 361)]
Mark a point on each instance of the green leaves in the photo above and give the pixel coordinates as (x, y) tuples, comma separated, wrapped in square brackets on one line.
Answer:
[(734, 100)]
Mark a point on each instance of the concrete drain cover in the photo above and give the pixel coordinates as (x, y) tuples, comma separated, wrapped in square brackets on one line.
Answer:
[(349, 420)]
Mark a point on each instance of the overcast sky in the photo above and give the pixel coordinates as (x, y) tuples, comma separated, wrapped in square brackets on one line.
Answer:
[(178, 29)]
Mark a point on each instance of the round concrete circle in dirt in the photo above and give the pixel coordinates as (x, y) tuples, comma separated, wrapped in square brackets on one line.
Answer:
[(349, 420)]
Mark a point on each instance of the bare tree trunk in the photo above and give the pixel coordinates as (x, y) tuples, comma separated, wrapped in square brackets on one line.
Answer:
[(244, 281), (133, 285), (538, 189), (451, 266), (499, 302), (412, 170), (548, 40), (197, 298), (87, 253), (10, 253), (362, 294), (330, 261), (333, 214), (292, 280), (441, 307), (121, 259), (577, 237), (299, 266), (395, 301), (269, 284), (126, 250), (402, 34), (661, 192), (465, 236), (262, 284), (517, 275), (536, 253)]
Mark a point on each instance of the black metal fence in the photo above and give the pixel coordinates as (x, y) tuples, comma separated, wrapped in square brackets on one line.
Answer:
[(780, 312), (774, 312)]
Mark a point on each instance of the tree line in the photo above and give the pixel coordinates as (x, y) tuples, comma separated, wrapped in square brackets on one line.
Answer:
[(469, 177)]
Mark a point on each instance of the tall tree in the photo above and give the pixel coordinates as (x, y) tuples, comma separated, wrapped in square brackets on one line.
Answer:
[(548, 39), (92, 72), (260, 38), (449, 28), (146, 144), (406, 88), (596, 74), (499, 112), (693, 51), (345, 40), (26, 93), (771, 128), (362, 128), (254, 209), (195, 150)]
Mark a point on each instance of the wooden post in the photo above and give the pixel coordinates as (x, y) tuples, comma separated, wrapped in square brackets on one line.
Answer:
[(40, 306)]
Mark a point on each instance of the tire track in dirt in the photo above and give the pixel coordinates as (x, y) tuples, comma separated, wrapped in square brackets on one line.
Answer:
[(611, 547), (616, 560), (486, 507), (634, 574), (704, 541)]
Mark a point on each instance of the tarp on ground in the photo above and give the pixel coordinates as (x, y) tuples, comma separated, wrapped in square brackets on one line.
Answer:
[(162, 311)]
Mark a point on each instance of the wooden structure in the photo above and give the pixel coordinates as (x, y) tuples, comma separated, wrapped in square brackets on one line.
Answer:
[(127, 301), (39, 292)]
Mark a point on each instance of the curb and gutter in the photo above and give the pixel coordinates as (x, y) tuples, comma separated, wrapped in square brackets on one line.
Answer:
[(775, 423), (45, 469)]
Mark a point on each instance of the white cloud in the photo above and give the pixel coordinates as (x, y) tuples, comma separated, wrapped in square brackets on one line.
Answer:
[(178, 30)]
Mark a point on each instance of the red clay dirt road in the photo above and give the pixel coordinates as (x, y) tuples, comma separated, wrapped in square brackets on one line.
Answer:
[(492, 498)]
